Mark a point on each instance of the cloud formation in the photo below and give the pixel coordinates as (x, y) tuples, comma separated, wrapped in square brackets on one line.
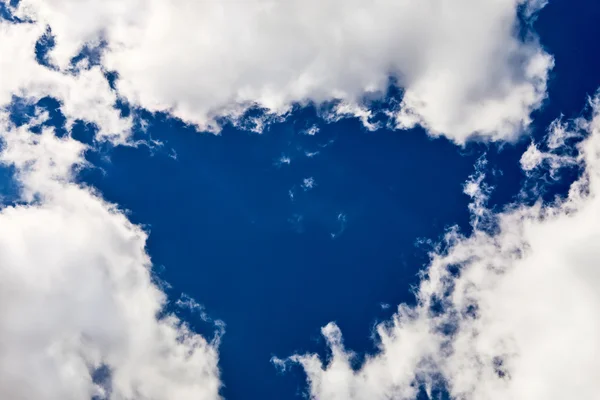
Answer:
[(463, 65), (76, 269), (84, 94), (509, 312), (81, 316)]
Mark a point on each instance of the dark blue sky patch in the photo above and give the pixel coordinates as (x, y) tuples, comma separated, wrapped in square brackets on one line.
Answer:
[(21, 110), (9, 187), (24, 111), (112, 77), (565, 27), (84, 133), (43, 47), (102, 376), (7, 11), (221, 221)]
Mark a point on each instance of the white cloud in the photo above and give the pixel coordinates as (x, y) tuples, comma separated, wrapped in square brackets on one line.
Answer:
[(283, 160), (463, 68), (308, 183), (77, 293), (509, 312), (342, 221), (85, 95), (313, 130), (552, 161)]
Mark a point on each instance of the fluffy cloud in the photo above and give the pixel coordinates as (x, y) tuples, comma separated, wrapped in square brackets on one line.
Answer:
[(509, 312), (462, 65), (80, 314)]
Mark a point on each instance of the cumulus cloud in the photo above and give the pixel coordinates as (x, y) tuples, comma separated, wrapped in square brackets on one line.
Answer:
[(508, 312), (463, 67), (81, 316)]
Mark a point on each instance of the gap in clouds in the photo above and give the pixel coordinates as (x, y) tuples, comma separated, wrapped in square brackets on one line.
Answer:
[(89, 55), (6, 12), (273, 267), (565, 29)]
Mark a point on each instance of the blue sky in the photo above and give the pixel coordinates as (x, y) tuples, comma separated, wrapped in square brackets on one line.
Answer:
[(267, 264), (280, 230)]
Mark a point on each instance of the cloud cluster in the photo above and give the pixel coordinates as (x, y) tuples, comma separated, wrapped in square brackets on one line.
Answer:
[(81, 316), (464, 66), (84, 94), (509, 312)]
